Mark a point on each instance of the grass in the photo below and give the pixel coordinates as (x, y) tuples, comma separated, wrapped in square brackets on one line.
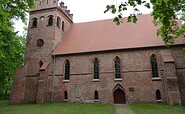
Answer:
[(157, 109), (4, 102), (58, 108), (82, 108)]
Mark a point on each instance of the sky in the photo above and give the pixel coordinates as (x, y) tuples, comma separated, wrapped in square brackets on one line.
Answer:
[(88, 10)]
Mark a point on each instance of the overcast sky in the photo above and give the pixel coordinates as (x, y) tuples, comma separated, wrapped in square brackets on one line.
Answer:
[(88, 10)]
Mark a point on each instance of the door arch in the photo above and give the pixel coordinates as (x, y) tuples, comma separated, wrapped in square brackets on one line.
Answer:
[(119, 95)]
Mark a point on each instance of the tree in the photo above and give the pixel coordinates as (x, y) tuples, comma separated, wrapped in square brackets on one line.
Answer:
[(166, 14), (11, 45)]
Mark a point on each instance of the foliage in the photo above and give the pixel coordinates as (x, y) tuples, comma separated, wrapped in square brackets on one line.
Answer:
[(11, 45), (157, 109), (165, 14), (59, 108)]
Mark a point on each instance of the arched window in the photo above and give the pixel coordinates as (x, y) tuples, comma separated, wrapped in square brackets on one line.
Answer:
[(40, 64), (67, 70), (117, 67), (154, 66), (58, 22), (62, 25), (65, 95), (158, 95), (50, 20), (96, 95), (34, 24), (96, 68)]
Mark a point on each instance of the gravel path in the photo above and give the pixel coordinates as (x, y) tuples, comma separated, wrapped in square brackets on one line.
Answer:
[(123, 109)]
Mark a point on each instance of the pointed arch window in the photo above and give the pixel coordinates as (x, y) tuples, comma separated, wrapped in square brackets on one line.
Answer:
[(50, 20), (34, 23), (96, 68), (40, 64), (117, 67), (158, 95), (154, 66), (58, 22), (63, 25), (65, 95), (96, 95), (67, 70)]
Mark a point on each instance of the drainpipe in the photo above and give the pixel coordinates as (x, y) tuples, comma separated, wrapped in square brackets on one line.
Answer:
[(53, 75)]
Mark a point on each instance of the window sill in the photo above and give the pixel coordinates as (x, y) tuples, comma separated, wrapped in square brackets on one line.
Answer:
[(33, 27), (156, 79), (65, 81), (159, 101), (65, 100), (95, 80), (96, 100), (118, 79)]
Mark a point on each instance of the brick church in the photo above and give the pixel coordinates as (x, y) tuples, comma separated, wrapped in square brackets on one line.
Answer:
[(97, 61)]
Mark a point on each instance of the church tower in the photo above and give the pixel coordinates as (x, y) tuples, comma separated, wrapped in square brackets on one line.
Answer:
[(48, 24)]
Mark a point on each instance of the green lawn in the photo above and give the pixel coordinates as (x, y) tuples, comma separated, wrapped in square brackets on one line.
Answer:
[(58, 108), (82, 108), (3, 102), (157, 109)]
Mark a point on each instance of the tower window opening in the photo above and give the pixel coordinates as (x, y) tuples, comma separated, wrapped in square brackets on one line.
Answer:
[(58, 22), (62, 25), (40, 64), (50, 20), (34, 24)]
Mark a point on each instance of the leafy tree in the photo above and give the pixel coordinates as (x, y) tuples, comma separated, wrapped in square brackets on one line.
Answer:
[(11, 45), (165, 14)]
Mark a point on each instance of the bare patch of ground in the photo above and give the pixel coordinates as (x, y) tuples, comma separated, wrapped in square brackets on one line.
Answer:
[(123, 109)]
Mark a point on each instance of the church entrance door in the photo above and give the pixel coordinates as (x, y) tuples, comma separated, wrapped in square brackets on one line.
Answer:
[(119, 96)]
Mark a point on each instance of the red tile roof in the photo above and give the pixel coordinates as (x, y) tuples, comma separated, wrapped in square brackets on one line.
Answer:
[(105, 35)]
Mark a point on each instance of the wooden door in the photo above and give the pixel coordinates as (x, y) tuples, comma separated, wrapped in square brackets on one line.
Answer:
[(119, 96)]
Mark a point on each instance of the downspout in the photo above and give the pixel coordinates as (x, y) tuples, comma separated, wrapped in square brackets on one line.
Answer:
[(53, 75)]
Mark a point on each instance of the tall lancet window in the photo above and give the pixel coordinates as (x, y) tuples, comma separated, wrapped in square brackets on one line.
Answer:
[(117, 67), (96, 68), (67, 70), (154, 66)]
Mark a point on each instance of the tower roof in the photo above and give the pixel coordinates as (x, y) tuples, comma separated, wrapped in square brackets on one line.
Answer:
[(104, 35)]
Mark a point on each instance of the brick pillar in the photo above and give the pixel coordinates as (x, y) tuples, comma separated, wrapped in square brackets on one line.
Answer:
[(42, 85), (18, 88), (171, 84)]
